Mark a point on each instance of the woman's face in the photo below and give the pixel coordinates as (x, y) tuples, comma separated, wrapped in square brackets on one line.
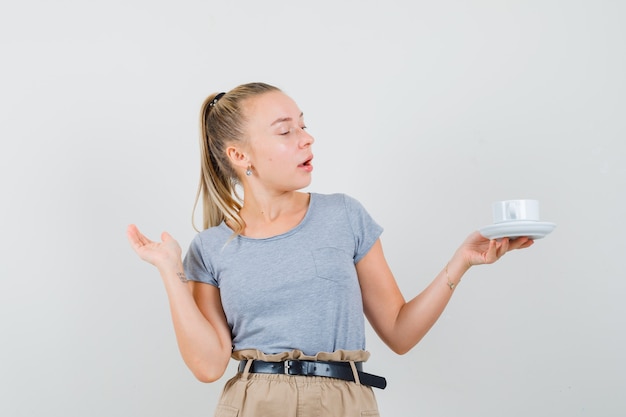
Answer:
[(279, 148)]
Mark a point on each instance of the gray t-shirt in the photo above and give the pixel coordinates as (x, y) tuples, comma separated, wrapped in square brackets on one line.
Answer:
[(298, 290)]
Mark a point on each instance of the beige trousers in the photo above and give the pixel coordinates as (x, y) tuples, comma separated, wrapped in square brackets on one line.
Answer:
[(273, 395)]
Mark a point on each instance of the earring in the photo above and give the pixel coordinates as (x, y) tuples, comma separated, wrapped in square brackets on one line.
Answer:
[(249, 171)]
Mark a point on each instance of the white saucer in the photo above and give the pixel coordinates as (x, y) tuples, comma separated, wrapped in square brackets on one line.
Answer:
[(513, 229)]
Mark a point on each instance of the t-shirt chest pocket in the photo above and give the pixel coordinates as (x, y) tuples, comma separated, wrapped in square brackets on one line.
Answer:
[(333, 264)]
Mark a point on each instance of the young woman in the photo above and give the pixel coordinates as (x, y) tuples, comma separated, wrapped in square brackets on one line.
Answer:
[(281, 280)]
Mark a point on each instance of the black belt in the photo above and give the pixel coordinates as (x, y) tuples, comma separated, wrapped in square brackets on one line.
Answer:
[(339, 370)]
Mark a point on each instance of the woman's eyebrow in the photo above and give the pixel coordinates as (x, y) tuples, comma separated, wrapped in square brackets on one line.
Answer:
[(284, 119)]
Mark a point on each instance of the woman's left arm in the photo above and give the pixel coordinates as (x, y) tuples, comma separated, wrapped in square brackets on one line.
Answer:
[(400, 324)]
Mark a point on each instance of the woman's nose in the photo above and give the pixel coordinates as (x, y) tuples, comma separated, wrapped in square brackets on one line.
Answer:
[(305, 138)]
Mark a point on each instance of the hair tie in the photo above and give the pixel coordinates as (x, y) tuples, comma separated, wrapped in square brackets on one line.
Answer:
[(214, 101)]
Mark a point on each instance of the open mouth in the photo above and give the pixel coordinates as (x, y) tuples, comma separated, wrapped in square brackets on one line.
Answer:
[(307, 164)]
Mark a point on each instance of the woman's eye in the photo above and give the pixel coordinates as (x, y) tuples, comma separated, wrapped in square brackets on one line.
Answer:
[(286, 132)]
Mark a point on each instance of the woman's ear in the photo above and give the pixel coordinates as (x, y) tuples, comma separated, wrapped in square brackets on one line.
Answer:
[(237, 157)]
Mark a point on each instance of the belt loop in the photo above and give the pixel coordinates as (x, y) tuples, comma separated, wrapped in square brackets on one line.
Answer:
[(246, 369), (355, 372)]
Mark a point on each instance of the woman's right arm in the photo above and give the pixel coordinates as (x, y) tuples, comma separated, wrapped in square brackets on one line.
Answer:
[(202, 332)]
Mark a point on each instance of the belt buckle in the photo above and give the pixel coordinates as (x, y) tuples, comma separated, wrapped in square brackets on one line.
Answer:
[(292, 367), (286, 366)]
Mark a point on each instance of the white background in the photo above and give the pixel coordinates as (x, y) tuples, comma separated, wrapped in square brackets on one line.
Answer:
[(425, 111)]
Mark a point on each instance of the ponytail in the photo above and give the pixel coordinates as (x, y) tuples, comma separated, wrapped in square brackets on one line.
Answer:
[(221, 124)]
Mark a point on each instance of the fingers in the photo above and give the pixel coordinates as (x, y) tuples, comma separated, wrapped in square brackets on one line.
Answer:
[(491, 255), (131, 230), (506, 245), (521, 243), (132, 233), (136, 238), (501, 248), (497, 249), (490, 251)]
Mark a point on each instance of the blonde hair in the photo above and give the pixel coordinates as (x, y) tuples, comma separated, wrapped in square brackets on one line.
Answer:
[(222, 123)]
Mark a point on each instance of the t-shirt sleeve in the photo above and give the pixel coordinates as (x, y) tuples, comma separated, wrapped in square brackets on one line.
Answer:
[(366, 230), (195, 266)]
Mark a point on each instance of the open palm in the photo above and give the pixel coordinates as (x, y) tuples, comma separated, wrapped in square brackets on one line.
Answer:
[(159, 254)]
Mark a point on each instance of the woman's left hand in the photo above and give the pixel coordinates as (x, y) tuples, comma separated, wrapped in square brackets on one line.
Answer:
[(479, 250)]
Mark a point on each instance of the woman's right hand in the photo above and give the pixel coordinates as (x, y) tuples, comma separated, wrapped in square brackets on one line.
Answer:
[(164, 254)]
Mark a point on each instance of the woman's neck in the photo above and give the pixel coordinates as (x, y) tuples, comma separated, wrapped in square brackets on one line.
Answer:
[(267, 216)]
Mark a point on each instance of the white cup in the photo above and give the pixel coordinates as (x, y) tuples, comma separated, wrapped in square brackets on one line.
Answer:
[(515, 210)]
